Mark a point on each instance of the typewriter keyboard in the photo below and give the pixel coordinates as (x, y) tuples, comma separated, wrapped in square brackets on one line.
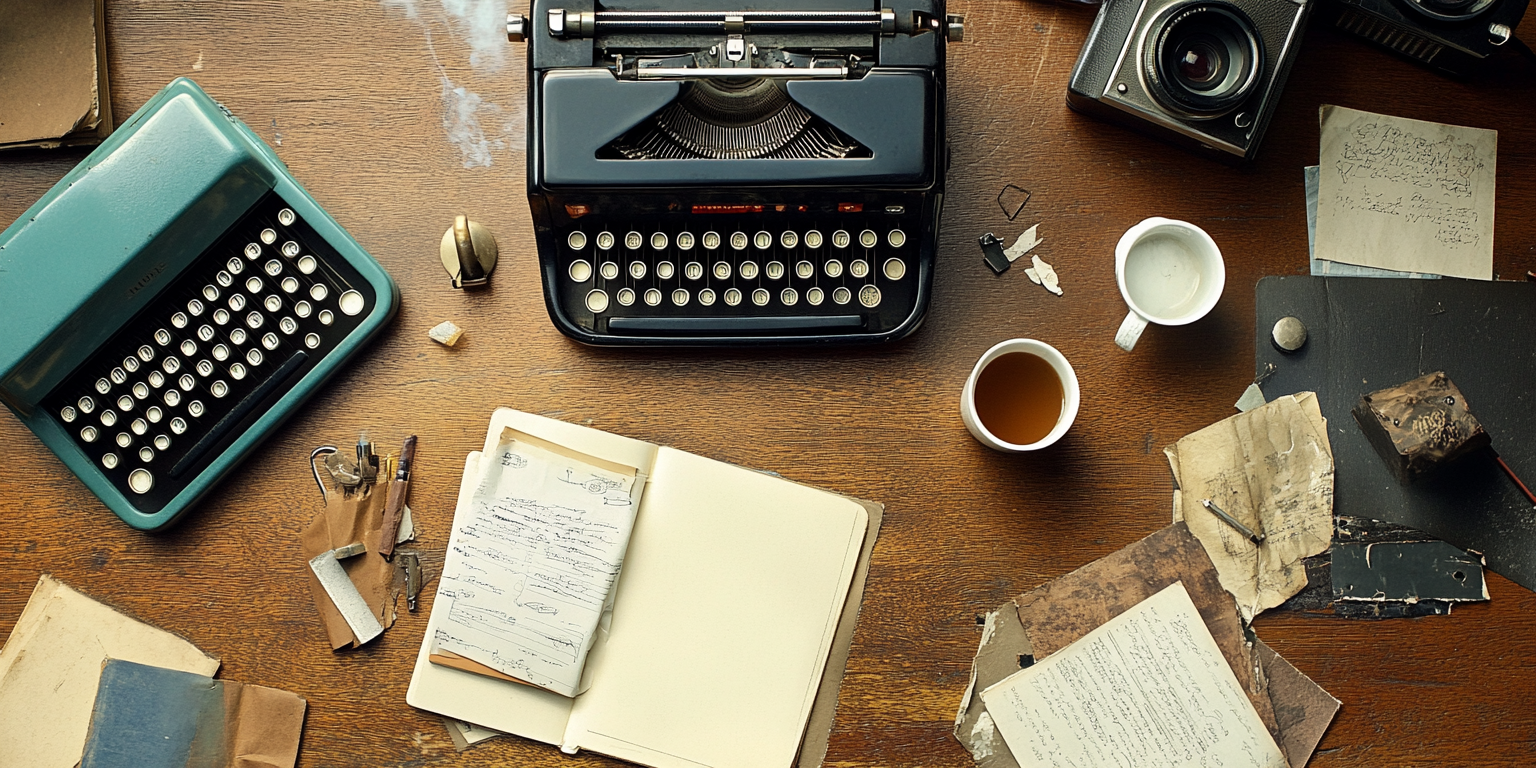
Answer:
[(718, 277), (171, 390)]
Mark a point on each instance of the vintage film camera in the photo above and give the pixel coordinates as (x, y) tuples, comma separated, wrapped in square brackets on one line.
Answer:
[(1454, 36), (1204, 74)]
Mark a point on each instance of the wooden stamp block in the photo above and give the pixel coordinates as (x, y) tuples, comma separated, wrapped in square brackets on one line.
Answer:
[(1420, 426)]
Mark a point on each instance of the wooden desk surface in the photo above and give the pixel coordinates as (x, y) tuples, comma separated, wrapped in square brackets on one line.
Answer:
[(397, 118)]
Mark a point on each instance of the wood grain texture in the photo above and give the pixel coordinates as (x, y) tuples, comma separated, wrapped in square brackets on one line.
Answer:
[(362, 96)]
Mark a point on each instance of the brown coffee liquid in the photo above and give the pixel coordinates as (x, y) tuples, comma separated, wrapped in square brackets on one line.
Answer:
[(1019, 397)]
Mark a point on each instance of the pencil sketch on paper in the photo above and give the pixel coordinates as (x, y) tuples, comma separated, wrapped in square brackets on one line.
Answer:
[(529, 573)]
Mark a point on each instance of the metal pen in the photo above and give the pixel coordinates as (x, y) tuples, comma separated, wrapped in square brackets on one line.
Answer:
[(1257, 538), (394, 505)]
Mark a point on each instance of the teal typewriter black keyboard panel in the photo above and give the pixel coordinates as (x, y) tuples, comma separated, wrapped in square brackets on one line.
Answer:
[(740, 275), (207, 357)]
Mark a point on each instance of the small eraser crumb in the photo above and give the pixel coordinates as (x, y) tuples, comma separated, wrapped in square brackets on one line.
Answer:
[(446, 333)]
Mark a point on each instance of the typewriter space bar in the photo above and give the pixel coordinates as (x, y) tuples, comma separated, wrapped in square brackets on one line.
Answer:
[(718, 326)]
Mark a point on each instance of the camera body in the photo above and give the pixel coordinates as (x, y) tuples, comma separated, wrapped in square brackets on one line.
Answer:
[(1451, 35), (1204, 74)]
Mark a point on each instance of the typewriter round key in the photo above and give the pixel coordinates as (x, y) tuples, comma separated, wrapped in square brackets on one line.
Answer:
[(868, 238), (633, 241), (154, 414), (89, 434), (224, 278), (288, 325), (237, 302), (307, 265), (86, 404), (739, 241), (659, 241), (205, 332), (609, 270), (841, 295), (163, 337), (774, 270), (273, 268), (637, 269), (351, 303), (273, 302), (732, 297), (722, 270), (108, 417), (178, 425), (210, 293), (237, 336), (139, 426), (195, 308), (318, 292), (237, 371), (576, 240), (707, 297), (311, 340), (146, 454), (680, 297), (747, 270), (858, 268), (118, 375), (815, 296), (123, 439), (763, 241), (289, 285), (665, 270), (841, 239), (869, 296), (693, 270), (109, 461), (141, 481), (652, 297), (302, 309), (685, 241), (626, 296), (760, 297), (896, 238), (285, 217), (325, 317), (204, 368), (597, 301), (813, 239), (68, 413), (186, 382), (188, 347), (252, 251), (894, 269), (131, 364), (195, 409), (805, 269), (162, 442), (580, 271), (789, 239), (711, 240), (789, 297), (103, 386), (833, 268), (253, 285), (254, 320), (219, 388), (269, 341), (125, 402), (291, 249), (171, 364), (172, 398), (605, 240), (269, 236), (156, 379), (140, 390)]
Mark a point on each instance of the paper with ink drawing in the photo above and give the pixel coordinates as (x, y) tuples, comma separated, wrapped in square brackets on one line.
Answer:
[(1406, 195), (532, 569), (1272, 469), (1147, 688)]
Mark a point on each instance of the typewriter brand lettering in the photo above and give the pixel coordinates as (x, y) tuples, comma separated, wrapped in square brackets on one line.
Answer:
[(146, 280)]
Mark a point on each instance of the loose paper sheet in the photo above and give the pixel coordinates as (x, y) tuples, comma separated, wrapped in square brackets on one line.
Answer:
[(533, 570), (1272, 469), (1406, 195), (1148, 688)]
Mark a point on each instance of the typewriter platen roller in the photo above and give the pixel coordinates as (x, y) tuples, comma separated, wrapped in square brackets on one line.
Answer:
[(721, 176)]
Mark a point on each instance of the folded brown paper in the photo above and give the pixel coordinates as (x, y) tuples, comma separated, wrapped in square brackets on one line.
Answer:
[(347, 520)]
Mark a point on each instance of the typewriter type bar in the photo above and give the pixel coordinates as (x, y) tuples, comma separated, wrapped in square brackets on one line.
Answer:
[(204, 296), (573, 24)]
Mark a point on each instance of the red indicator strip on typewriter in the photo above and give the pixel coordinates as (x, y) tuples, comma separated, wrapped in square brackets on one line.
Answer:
[(727, 209)]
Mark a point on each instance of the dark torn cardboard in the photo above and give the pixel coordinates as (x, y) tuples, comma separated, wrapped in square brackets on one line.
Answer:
[(1038, 623), (1409, 571), (53, 74)]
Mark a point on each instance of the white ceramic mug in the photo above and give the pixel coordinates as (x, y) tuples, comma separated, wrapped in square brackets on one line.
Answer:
[(1170, 273), (1069, 395)]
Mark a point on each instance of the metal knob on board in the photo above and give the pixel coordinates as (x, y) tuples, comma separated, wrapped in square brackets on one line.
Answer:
[(1288, 335), (468, 251)]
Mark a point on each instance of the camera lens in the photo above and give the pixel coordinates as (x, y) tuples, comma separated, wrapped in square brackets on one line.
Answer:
[(1204, 58)]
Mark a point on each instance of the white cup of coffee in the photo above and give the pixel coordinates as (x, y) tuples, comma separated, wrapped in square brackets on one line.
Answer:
[(1021, 396), (1170, 273)]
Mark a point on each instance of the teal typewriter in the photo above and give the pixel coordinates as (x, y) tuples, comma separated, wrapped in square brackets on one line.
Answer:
[(171, 301)]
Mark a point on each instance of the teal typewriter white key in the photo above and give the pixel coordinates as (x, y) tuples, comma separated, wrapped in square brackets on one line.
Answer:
[(163, 337), (68, 414), (118, 375), (109, 460), (351, 303), (269, 341), (896, 238), (253, 285), (253, 357), (140, 390), (325, 317), (108, 417), (195, 308), (237, 371), (195, 409), (597, 301), (711, 241), (172, 398), (237, 336), (89, 434), (311, 340), (125, 403), (868, 238), (252, 251), (154, 414), (156, 379), (841, 295), (253, 320), (131, 364), (223, 278), (140, 481), (186, 382), (318, 292), (272, 302), (289, 285), (273, 268), (307, 265), (86, 405), (707, 297), (178, 425), (813, 239), (285, 217), (139, 426), (123, 439), (204, 368), (218, 388), (236, 302), (146, 454), (205, 332), (302, 309), (210, 293), (188, 347), (291, 249), (894, 269), (287, 325), (269, 236), (171, 364), (815, 296), (609, 270), (789, 239), (103, 386), (163, 442)]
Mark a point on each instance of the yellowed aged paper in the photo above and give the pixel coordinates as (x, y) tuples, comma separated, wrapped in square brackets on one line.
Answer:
[(1272, 469), (1403, 194)]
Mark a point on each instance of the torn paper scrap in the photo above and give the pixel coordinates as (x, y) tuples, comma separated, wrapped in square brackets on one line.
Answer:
[(465, 735), (1047, 275), (1272, 469), (1034, 276), (1252, 398), (1003, 644), (1026, 240), (446, 333)]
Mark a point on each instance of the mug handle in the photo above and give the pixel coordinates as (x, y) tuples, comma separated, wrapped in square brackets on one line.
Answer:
[(1130, 331)]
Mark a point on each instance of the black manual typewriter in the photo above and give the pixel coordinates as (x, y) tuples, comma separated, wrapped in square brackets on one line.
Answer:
[(720, 176)]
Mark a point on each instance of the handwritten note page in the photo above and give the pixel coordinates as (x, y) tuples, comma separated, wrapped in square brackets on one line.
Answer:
[(1147, 689), (1406, 194), (531, 570)]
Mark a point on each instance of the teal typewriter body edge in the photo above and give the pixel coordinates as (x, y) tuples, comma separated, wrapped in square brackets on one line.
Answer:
[(102, 253)]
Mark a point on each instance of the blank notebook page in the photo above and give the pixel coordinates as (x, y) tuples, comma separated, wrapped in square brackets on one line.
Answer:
[(724, 617)]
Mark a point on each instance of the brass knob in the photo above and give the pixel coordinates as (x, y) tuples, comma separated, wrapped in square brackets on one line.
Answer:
[(468, 252), (517, 28)]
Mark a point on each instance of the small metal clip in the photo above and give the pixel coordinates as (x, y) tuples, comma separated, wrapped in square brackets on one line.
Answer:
[(324, 450), (411, 562)]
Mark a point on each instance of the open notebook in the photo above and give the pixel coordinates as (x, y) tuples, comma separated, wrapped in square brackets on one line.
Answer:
[(735, 590)]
